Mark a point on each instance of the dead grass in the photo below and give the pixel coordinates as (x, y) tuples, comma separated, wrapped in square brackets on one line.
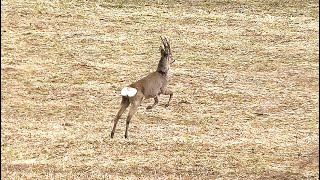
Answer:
[(245, 88)]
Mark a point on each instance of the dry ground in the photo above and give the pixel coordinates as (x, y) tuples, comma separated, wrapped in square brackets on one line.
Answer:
[(245, 88)]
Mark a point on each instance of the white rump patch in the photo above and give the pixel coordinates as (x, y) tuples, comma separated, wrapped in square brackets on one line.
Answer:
[(128, 91)]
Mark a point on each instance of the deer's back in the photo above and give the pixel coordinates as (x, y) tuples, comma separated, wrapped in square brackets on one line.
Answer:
[(151, 85)]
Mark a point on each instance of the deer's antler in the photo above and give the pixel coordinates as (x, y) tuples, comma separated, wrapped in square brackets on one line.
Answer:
[(165, 44)]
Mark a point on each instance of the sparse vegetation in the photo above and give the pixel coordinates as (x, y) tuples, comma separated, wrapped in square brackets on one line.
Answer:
[(246, 84)]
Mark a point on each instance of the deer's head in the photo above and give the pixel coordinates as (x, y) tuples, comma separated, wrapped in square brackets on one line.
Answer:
[(166, 51)]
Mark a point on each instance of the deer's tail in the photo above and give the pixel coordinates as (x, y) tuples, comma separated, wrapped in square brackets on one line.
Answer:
[(128, 91)]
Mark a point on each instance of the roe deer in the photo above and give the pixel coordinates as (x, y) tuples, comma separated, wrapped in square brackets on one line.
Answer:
[(150, 86)]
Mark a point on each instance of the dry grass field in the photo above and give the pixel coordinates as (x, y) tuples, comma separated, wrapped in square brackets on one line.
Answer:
[(245, 85)]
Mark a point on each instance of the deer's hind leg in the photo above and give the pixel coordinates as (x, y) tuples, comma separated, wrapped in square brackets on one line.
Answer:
[(124, 104), (133, 109)]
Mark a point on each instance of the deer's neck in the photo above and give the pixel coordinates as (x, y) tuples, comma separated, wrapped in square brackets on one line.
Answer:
[(163, 68), (163, 72)]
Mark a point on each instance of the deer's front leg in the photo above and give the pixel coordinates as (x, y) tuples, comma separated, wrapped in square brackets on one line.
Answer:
[(156, 101), (168, 92)]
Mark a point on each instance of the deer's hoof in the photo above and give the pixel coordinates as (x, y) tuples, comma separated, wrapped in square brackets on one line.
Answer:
[(166, 105), (112, 135)]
